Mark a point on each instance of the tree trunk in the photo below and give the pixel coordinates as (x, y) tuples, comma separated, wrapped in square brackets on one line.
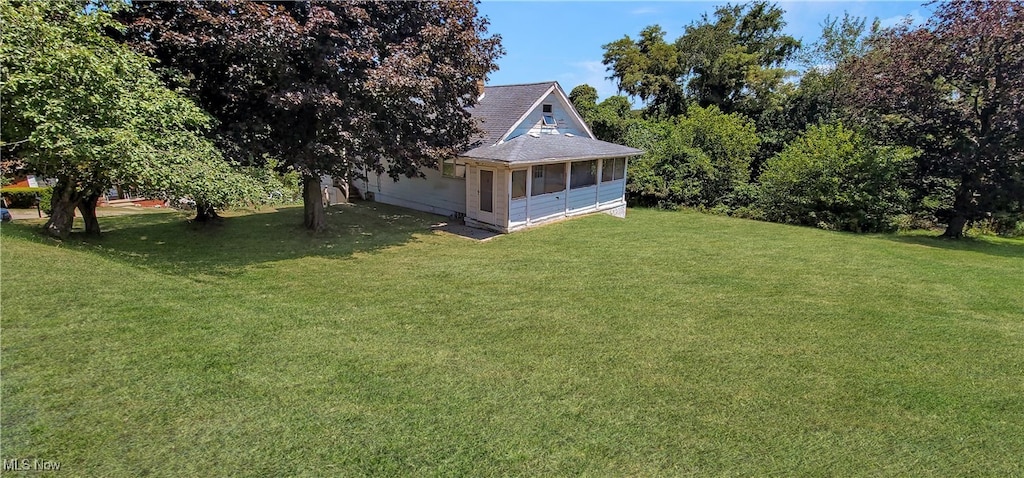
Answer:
[(313, 217), (87, 205), (963, 206), (62, 218), (205, 212), (955, 228)]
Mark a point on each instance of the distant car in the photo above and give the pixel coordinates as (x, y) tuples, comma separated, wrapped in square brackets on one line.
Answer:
[(5, 215)]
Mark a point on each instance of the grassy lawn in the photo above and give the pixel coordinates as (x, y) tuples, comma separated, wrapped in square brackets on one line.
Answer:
[(664, 344)]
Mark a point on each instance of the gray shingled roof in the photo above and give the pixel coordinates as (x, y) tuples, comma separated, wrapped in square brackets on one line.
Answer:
[(502, 106), (550, 147)]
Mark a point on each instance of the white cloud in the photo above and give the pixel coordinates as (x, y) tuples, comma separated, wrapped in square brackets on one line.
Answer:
[(915, 19), (591, 72)]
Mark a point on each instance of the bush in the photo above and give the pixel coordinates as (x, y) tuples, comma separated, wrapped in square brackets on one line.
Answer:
[(25, 198), (1002, 224), (834, 178), (697, 160)]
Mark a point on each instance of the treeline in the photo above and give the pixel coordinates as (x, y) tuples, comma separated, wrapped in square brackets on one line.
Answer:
[(904, 127)]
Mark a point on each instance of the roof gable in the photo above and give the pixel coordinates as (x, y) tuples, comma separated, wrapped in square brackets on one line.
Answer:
[(503, 109)]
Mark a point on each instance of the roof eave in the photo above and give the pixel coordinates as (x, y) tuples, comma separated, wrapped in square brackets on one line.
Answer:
[(560, 159)]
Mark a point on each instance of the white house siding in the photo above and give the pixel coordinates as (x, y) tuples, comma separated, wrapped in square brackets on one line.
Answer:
[(436, 194), (476, 217), (563, 117)]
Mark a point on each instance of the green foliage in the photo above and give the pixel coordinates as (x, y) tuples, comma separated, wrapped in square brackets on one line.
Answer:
[(952, 89), (699, 159), (340, 88), (87, 111), (282, 184), (25, 197), (609, 120), (734, 61), (648, 69), (834, 178)]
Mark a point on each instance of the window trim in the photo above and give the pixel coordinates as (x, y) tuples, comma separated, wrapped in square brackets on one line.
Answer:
[(512, 189), (593, 168), (617, 173), (540, 168), (454, 162)]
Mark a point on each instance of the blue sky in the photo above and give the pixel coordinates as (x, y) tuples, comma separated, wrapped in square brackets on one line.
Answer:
[(561, 40)]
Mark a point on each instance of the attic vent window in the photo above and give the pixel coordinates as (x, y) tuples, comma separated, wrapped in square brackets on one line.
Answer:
[(549, 120), (547, 108)]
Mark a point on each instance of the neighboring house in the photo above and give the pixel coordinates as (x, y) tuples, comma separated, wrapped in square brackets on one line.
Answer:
[(537, 162)]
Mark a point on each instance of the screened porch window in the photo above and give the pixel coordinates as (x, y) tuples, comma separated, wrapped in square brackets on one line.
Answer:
[(548, 178), (583, 174), (613, 169), (518, 183)]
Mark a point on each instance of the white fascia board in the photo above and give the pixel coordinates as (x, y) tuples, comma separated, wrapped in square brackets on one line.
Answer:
[(569, 106), (527, 113), (557, 88)]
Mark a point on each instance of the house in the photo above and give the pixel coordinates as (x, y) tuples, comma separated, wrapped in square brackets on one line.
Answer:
[(536, 162)]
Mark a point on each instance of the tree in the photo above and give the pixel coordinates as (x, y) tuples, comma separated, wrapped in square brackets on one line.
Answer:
[(835, 178), (648, 69), (737, 60), (338, 88), (953, 89), (608, 120), (584, 99), (826, 84), (699, 159), (733, 61), (82, 109)]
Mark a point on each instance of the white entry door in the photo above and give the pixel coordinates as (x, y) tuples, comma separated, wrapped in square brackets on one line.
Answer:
[(486, 192)]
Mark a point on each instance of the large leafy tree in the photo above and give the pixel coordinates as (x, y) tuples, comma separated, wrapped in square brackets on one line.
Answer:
[(953, 89), (330, 88), (87, 111), (608, 120), (649, 69), (733, 60)]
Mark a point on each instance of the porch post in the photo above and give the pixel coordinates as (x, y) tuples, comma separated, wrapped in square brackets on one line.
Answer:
[(568, 171), (529, 191)]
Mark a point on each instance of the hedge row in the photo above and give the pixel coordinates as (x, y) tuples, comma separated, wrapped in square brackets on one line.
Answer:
[(25, 198)]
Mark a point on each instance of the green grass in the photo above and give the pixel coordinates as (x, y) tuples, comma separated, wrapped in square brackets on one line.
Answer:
[(663, 344)]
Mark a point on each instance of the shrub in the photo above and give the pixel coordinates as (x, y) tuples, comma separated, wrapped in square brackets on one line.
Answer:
[(694, 160), (25, 198), (834, 178)]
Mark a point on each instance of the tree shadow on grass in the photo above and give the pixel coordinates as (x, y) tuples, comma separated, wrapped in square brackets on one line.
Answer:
[(170, 243), (994, 246)]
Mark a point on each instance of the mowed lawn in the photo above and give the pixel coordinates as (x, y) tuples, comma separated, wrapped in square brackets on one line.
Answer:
[(665, 344)]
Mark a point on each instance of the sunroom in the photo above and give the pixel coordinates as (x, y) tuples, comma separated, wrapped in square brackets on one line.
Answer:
[(536, 179)]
